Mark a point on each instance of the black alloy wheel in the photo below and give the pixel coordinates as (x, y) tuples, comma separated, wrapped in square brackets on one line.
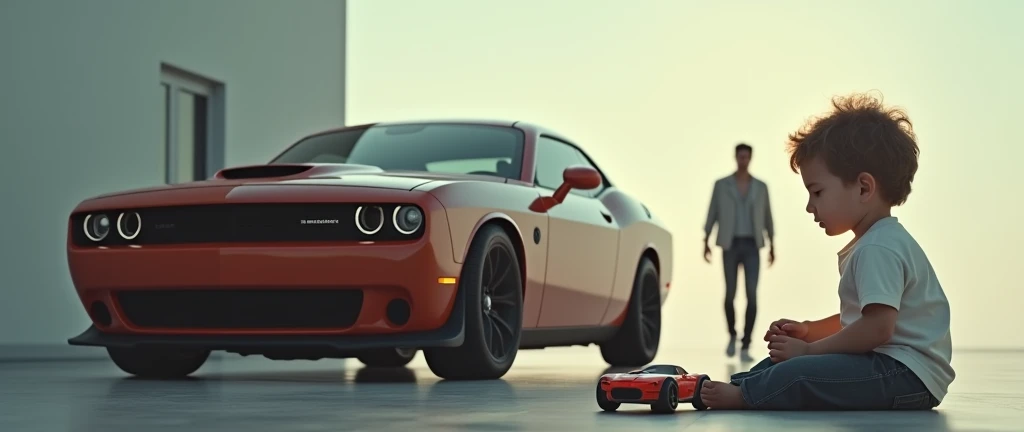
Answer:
[(500, 306), (636, 342), (668, 397), (493, 288), (651, 310)]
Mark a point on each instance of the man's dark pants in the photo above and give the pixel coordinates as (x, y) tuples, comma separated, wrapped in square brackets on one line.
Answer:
[(743, 252)]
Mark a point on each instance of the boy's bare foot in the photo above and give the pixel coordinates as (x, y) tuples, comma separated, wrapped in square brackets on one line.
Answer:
[(720, 395)]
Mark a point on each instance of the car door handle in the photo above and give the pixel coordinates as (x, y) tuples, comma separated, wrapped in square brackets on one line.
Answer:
[(607, 217)]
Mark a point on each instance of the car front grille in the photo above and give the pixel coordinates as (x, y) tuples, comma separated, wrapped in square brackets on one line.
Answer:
[(246, 309), (627, 394), (241, 223)]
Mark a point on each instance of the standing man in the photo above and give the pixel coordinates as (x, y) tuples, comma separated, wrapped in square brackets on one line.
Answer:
[(740, 207)]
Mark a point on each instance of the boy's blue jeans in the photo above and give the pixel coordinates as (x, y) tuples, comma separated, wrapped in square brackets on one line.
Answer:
[(870, 381)]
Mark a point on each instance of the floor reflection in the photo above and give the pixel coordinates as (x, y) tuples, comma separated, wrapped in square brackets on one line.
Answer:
[(385, 375), (732, 368), (551, 390)]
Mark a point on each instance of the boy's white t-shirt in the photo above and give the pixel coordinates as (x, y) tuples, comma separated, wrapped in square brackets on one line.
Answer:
[(887, 266)]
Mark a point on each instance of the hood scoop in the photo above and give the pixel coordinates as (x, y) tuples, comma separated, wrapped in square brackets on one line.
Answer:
[(261, 171), (279, 171)]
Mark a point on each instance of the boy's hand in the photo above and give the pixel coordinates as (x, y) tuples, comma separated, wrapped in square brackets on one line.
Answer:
[(786, 327), (782, 348)]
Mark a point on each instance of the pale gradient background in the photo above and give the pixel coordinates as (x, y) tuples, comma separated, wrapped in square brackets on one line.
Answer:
[(659, 92)]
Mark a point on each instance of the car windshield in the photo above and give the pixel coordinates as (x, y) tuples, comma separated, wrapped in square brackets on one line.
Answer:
[(658, 369), (433, 147)]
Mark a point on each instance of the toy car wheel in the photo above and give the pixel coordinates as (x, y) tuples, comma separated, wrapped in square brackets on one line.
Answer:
[(493, 285), (603, 402), (636, 342), (163, 363), (668, 399), (697, 403), (387, 357)]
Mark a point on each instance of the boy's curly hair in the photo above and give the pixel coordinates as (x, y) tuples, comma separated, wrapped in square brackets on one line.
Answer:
[(861, 135)]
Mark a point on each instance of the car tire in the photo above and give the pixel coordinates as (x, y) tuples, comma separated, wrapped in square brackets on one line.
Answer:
[(490, 306), (387, 357), (603, 402), (161, 363), (697, 402), (634, 345), (668, 398)]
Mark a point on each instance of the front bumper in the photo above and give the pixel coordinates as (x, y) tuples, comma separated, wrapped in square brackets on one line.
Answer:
[(266, 290), (104, 278), (333, 295), (632, 392), (381, 273), (451, 334)]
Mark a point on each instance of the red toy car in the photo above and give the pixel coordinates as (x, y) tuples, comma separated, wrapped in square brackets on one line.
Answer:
[(660, 386)]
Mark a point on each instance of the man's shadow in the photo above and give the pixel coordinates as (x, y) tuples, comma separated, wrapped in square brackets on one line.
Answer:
[(742, 366)]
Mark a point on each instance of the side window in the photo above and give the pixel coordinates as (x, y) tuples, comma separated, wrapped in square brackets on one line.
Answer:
[(553, 157)]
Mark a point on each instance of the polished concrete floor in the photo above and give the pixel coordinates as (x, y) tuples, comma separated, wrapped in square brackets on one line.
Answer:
[(550, 390)]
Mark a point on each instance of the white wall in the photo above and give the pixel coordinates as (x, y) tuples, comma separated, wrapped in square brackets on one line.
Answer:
[(81, 115)]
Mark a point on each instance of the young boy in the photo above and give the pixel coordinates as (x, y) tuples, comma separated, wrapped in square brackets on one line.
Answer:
[(889, 346)]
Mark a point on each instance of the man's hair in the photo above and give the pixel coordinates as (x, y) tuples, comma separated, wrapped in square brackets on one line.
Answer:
[(744, 146), (861, 135)]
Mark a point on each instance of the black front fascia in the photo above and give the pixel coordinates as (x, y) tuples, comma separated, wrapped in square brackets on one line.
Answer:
[(244, 223), (451, 334)]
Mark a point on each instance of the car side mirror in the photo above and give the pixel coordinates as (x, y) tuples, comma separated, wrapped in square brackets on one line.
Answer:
[(574, 177), (580, 177)]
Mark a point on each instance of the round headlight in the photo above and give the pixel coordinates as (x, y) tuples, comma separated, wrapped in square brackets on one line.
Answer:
[(96, 228), (369, 219), (407, 219), (129, 225)]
